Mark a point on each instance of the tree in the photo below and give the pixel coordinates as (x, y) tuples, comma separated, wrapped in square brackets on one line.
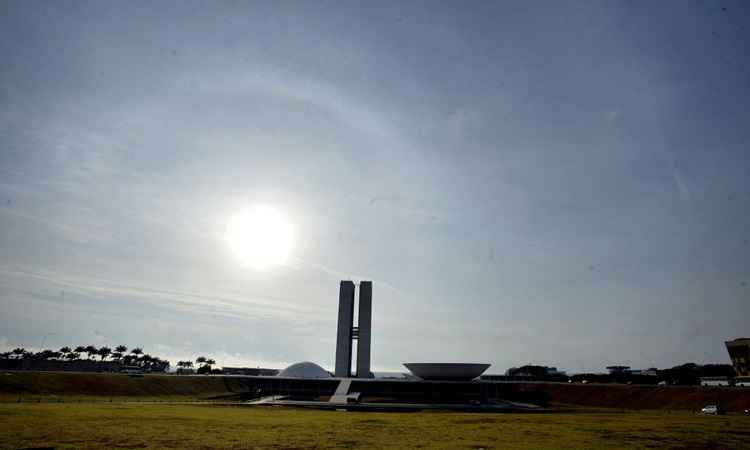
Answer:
[(91, 350), (73, 356), (45, 354), (185, 364), (19, 352), (65, 350), (159, 365), (206, 364), (104, 352), (146, 361), (136, 351), (121, 349)]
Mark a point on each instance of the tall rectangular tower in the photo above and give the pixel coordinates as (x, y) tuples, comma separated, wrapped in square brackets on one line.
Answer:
[(364, 329), (344, 333)]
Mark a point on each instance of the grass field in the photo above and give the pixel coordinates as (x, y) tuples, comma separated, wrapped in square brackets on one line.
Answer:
[(50, 386), (65, 426)]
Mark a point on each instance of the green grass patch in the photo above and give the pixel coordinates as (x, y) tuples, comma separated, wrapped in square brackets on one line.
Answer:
[(68, 426)]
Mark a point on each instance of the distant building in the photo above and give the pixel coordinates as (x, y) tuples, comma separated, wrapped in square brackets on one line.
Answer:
[(250, 371), (626, 370), (305, 369), (617, 370), (739, 353), (715, 381), (347, 333), (530, 371)]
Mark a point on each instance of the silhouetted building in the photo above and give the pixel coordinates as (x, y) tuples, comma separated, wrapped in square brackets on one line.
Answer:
[(347, 332), (251, 371), (618, 370), (739, 353), (343, 367)]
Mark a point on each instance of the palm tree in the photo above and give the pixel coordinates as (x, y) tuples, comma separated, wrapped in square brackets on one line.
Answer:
[(44, 354), (137, 351), (185, 364), (104, 352), (161, 365), (91, 350), (121, 349)]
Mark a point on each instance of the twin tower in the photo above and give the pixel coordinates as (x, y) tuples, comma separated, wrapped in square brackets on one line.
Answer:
[(347, 332)]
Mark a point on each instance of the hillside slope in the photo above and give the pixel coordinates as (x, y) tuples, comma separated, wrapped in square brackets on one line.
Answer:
[(114, 385), (642, 396)]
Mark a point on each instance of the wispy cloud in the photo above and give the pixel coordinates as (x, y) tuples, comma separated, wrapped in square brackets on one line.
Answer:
[(195, 301)]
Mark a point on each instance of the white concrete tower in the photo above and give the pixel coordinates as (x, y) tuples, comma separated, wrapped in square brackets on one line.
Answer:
[(343, 367), (364, 327)]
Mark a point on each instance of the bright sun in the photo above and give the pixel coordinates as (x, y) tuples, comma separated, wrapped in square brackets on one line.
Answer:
[(260, 237)]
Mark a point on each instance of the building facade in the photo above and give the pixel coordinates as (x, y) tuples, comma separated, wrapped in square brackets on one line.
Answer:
[(347, 332), (739, 353)]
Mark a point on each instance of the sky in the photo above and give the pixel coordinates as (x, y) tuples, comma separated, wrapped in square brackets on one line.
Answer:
[(557, 183)]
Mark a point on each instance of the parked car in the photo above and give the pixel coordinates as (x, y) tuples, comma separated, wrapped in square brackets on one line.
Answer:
[(712, 410)]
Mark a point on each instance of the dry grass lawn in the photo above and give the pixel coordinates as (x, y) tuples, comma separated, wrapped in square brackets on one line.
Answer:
[(67, 426)]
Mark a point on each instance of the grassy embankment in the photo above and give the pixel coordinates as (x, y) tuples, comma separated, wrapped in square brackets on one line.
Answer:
[(67, 426), (73, 387)]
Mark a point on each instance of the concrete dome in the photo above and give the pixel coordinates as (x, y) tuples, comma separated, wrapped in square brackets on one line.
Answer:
[(305, 369)]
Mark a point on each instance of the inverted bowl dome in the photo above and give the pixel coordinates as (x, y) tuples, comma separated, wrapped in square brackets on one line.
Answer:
[(447, 371)]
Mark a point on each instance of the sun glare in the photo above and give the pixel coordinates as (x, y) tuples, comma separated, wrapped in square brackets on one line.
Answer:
[(260, 237)]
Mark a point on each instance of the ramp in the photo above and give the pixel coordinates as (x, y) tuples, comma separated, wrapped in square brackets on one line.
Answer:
[(342, 391)]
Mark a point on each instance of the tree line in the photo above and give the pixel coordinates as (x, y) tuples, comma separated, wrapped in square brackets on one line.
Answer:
[(120, 354), (204, 365)]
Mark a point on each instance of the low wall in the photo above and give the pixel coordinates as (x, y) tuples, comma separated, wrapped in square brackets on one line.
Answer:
[(643, 397)]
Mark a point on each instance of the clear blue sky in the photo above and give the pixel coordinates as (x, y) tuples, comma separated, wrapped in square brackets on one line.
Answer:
[(525, 182)]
